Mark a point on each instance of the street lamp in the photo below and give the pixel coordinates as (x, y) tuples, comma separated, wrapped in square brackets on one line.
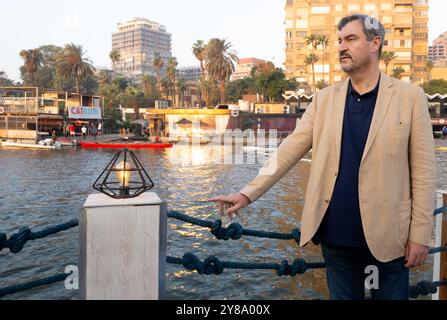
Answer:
[(124, 177)]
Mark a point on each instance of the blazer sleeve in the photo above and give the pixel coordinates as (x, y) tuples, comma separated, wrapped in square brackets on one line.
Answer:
[(423, 172), (291, 150)]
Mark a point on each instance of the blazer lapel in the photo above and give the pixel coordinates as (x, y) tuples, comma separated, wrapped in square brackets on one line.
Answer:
[(339, 100), (383, 102)]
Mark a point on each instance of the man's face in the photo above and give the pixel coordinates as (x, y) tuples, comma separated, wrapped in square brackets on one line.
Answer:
[(355, 51)]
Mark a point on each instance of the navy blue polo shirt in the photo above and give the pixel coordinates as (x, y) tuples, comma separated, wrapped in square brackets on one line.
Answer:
[(342, 224)]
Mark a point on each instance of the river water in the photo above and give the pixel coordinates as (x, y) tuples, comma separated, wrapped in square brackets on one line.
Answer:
[(41, 188)]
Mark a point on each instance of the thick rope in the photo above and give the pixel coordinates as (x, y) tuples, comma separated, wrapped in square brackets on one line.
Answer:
[(33, 284), (212, 265), (440, 210), (235, 230), (18, 240), (424, 288)]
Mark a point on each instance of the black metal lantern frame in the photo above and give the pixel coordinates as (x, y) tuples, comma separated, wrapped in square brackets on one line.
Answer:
[(124, 177)]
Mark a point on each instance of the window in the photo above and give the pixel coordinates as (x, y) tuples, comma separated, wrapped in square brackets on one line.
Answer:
[(338, 7), (387, 19), (353, 7), (289, 24), (302, 24), (320, 10), (385, 43), (370, 7), (301, 34), (302, 12), (289, 34), (385, 6)]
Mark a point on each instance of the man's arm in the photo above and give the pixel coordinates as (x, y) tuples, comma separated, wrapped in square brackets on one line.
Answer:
[(423, 183), (423, 173), (291, 150)]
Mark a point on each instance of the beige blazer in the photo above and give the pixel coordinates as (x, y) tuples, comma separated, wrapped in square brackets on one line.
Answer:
[(397, 178)]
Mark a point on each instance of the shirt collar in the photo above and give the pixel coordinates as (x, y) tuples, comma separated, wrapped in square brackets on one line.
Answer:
[(375, 91)]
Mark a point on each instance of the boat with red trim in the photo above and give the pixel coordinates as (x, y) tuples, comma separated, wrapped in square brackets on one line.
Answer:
[(129, 145)]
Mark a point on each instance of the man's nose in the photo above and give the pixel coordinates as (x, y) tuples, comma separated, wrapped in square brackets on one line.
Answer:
[(342, 47)]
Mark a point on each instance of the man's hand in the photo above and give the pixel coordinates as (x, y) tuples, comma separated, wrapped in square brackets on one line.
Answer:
[(416, 254), (231, 203)]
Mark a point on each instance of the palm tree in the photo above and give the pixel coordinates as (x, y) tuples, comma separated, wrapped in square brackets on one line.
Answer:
[(115, 56), (149, 83), (134, 98), (32, 61), (104, 77), (397, 72), (182, 87), (387, 57), (171, 74), (220, 62), (324, 42), (311, 59), (166, 87), (198, 50), (72, 64), (429, 65), (158, 65)]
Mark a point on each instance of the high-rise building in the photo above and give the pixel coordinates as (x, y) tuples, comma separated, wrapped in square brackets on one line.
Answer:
[(189, 73), (244, 67), (438, 51), (138, 42), (405, 23)]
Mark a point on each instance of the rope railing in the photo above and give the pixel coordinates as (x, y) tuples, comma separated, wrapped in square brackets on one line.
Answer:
[(425, 288), (17, 241), (33, 284), (189, 261), (234, 231), (213, 265)]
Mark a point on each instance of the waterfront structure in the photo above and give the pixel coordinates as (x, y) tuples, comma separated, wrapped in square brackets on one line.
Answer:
[(26, 112), (405, 23), (244, 67), (437, 52), (189, 73), (138, 42)]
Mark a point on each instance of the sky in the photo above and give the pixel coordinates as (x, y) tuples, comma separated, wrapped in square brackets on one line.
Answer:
[(254, 27)]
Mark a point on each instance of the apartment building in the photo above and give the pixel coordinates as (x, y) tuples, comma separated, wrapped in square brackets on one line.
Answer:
[(244, 67), (405, 23), (138, 42), (438, 51)]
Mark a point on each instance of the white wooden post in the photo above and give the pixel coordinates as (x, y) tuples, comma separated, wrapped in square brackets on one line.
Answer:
[(440, 233), (122, 248)]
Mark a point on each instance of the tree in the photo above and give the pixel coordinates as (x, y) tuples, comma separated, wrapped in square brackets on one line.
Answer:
[(220, 62), (238, 88), (32, 61), (115, 56), (149, 84), (72, 64), (387, 57), (198, 50), (4, 81), (210, 89), (435, 86), (133, 97), (321, 84), (171, 74), (311, 59), (158, 65), (429, 66), (182, 87), (397, 72), (324, 42)]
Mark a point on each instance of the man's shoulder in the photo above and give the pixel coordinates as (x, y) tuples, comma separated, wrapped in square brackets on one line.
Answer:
[(405, 88)]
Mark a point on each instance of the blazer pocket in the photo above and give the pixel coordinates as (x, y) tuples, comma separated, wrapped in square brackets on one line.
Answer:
[(404, 209)]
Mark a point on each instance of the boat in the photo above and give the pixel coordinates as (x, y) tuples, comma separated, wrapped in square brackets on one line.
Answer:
[(29, 146), (130, 145)]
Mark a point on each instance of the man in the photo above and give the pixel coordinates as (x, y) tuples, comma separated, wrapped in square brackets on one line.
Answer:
[(84, 132), (370, 195)]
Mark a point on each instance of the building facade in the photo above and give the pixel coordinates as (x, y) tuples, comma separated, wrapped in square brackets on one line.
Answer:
[(244, 67), (438, 51), (189, 73), (405, 23), (138, 42)]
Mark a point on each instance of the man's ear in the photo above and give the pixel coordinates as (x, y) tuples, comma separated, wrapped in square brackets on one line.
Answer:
[(377, 42)]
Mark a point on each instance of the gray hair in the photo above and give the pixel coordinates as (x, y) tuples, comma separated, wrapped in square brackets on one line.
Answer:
[(371, 27)]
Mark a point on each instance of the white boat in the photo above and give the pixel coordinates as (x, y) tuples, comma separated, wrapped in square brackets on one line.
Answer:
[(29, 145)]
